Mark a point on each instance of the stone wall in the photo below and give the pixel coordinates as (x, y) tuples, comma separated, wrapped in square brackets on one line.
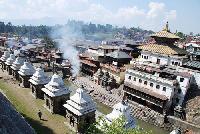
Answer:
[(11, 122), (178, 123)]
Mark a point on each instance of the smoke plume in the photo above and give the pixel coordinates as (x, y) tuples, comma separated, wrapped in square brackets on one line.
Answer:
[(65, 37)]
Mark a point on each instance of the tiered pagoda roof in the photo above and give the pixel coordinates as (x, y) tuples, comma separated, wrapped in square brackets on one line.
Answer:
[(165, 33), (17, 63), (121, 109), (10, 60), (163, 49), (164, 43), (27, 69), (39, 77), (5, 56), (55, 87), (80, 103)]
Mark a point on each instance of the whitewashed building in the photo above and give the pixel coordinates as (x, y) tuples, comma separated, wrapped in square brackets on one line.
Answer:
[(3, 59), (55, 94), (80, 111), (156, 87), (25, 72), (37, 82), (121, 109), (16, 66), (9, 62)]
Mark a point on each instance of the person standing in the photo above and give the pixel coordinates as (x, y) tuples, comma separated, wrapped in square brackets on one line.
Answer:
[(40, 114)]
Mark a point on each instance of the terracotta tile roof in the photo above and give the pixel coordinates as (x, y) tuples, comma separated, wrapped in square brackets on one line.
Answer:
[(163, 49), (146, 91)]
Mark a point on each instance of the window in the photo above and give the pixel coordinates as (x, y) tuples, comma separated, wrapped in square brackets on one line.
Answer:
[(145, 82), (140, 80), (179, 91), (129, 77), (151, 84), (177, 100), (158, 61), (172, 63), (164, 88), (157, 86), (181, 79), (176, 63), (134, 79), (142, 56)]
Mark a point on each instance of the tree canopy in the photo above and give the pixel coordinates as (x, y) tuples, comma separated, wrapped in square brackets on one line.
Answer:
[(88, 30), (101, 126)]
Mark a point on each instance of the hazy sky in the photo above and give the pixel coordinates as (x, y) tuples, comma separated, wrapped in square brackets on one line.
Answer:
[(183, 15)]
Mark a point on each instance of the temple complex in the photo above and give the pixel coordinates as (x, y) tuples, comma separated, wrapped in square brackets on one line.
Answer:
[(154, 79), (3, 59), (16, 66), (9, 62), (80, 111), (163, 51), (121, 109), (55, 94), (25, 72), (37, 82)]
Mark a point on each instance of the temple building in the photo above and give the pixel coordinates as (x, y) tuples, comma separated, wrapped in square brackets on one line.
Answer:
[(55, 95), (66, 69), (37, 82), (25, 73), (163, 51), (58, 56), (89, 63), (9, 62), (3, 59), (16, 66), (80, 111), (115, 64), (121, 109)]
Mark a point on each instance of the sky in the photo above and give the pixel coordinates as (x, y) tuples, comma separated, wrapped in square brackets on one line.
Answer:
[(182, 15)]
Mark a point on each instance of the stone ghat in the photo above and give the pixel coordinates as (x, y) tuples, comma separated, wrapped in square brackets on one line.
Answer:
[(137, 110), (11, 122)]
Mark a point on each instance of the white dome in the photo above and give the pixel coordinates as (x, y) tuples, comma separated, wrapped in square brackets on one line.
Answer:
[(39, 77), (17, 63), (55, 87), (10, 60), (26, 69), (80, 103), (121, 109), (5, 56)]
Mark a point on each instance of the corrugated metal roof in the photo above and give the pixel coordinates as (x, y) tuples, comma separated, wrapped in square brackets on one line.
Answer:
[(119, 55)]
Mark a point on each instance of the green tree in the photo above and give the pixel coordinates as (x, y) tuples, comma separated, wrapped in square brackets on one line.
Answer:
[(101, 126)]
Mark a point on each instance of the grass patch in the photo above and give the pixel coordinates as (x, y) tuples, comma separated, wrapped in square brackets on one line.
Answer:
[(28, 107)]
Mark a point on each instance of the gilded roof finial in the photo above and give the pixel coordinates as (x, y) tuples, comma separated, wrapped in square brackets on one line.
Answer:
[(166, 28)]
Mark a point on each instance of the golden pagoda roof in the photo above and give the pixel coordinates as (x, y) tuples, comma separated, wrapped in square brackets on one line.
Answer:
[(165, 33), (163, 49)]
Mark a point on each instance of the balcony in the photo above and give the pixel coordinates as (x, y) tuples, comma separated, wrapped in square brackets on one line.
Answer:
[(115, 69)]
